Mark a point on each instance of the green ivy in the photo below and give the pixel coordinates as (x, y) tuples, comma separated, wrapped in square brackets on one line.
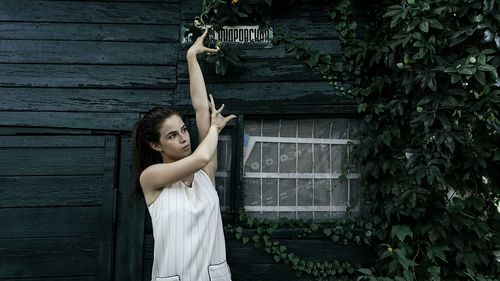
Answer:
[(429, 151), (260, 234)]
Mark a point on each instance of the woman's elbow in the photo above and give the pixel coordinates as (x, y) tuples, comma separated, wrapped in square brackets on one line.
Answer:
[(202, 158)]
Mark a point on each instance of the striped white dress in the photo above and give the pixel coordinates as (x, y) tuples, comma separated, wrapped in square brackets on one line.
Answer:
[(189, 242)]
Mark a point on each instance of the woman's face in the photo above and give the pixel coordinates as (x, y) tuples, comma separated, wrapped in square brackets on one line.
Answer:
[(174, 140)]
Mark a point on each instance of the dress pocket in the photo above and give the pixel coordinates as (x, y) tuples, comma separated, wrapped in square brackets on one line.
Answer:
[(170, 278), (219, 272)]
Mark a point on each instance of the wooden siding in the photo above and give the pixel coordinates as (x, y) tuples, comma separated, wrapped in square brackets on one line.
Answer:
[(62, 62), (56, 206)]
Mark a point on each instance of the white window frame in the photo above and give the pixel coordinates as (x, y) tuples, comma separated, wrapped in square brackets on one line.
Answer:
[(252, 140)]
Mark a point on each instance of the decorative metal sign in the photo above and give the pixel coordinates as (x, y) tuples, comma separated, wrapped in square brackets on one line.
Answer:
[(236, 34)]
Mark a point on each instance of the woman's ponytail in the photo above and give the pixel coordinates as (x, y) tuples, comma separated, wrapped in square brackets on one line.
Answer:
[(146, 130)]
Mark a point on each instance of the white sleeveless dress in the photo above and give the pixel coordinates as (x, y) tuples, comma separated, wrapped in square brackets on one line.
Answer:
[(189, 242)]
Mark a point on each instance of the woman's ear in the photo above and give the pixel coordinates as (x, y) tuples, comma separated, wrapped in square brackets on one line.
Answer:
[(155, 146)]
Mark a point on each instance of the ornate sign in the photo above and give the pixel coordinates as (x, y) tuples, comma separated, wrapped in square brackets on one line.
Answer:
[(237, 34)]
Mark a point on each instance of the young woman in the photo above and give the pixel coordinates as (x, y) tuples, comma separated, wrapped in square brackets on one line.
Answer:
[(178, 186)]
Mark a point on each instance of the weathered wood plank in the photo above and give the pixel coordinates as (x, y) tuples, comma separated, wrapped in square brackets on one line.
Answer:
[(255, 70), (331, 47), (85, 100), (309, 249), (149, 1), (51, 141), (306, 110), (89, 32), (148, 256), (92, 76), (261, 272), (256, 51), (57, 278), (84, 52), (89, 12), (12, 130), (108, 211), (40, 257), (269, 93), (50, 191), (130, 224), (50, 161), (97, 120), (50, 222)]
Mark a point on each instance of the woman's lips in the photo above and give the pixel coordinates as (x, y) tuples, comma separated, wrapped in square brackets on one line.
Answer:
[(186, 147)]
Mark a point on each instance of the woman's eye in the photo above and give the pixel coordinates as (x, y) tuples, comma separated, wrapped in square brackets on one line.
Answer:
[(184, 129), (171, 136)]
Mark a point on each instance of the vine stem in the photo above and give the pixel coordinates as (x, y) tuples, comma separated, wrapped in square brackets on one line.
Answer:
[(418, 251)]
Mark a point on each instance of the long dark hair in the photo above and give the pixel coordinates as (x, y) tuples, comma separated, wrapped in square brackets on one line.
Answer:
[(145, 130)]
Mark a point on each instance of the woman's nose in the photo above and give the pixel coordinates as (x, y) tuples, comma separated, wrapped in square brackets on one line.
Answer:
[(184, 137)]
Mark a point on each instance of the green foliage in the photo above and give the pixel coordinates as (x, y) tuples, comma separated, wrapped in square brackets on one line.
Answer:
[(260, 233), (429, 158)]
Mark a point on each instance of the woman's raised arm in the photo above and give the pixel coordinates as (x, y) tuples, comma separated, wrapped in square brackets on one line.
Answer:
[(197, 87)]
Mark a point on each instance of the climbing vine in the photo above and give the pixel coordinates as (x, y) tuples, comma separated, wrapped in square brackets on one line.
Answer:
[(425, 76)]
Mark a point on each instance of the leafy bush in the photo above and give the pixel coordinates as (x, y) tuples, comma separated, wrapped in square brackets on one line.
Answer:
[(430, 153)]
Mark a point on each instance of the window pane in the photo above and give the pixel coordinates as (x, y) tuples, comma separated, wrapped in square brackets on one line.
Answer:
[(305, 128), (269, 157), (305, 158), (339, 155), (252, 192), (321, 158), (287, 158), (287, 192), (269, 192), (292, 168), (339, 190), (322, 128), (288, 128)]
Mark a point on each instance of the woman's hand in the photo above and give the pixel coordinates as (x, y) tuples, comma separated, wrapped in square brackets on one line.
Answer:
[(198, 47), (216, 118)]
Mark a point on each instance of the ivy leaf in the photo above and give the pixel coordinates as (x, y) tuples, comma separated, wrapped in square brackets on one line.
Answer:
[(455, 78), (325, 59), (435, 24), (365, 271), (481, 59), (439, 252), (434, 270), (486, 67), (361, 107), (466, 71), (401, 231), (312, 61), (431, 83), (424, 26), (394, 10), (480, 77), (497, 155)]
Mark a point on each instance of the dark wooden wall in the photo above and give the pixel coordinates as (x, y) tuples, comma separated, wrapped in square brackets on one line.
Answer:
[(74, 76)]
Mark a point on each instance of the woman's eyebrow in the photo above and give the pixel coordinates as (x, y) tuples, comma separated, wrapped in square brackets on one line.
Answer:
[(176, 131)]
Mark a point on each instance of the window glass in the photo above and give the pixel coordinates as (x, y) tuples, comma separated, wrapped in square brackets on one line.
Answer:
[(292, 168)]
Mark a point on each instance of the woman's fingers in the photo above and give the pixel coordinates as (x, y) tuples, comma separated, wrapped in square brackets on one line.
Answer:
[(209, 50), (220, 109), (204, 33), (212, 103), (230, 117)]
